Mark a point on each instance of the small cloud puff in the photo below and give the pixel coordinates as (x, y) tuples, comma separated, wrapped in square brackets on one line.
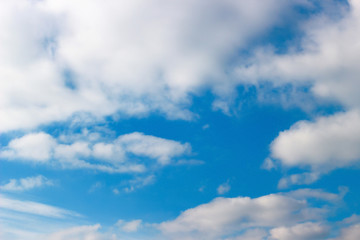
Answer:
[(223, 188)]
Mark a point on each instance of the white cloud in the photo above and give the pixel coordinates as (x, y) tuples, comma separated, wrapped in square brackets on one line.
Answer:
[(226, 216), (328, 60), (325, 61), (223, 188), (329, 142), (139, 182), (34, 208), (154, 147), (24, 184), (75, 150), (268, 164), (35, 147), (296, 215), (303, 231), (123, 154), (322, 145), (108, 151), (308, 193), (298, 179), (55, 63)]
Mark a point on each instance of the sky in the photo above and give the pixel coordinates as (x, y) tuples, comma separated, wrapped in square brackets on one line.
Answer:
[(180, 119)]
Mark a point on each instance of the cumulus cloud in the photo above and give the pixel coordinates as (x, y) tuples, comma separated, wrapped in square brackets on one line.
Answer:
[(321, 146), (227, 216), (24, 184), (123, 154), (31, 147), (328, 142), (149, 146), (152, 56)]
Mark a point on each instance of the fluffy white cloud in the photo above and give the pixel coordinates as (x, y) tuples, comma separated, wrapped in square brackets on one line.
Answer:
[(131, 58), (326, 143), (227, 216), (26, 183), (31, 147), (123, 154), (321, 145), (154, 147)]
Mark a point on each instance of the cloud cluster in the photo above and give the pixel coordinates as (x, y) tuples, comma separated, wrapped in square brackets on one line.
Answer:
[(325, 59), (295, 215), (287, 215), (132, 152), (131, 58)]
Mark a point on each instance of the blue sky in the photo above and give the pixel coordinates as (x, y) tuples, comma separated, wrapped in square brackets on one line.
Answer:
[(216, 120)]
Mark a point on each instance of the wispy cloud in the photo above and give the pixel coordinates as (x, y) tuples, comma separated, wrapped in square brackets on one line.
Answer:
[(223, 188), (34, 208), (139, 182), (130, 226), (79, 232), (28, 183)]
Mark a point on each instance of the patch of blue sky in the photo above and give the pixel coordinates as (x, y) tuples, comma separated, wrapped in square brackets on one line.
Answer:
[(69, 79)]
